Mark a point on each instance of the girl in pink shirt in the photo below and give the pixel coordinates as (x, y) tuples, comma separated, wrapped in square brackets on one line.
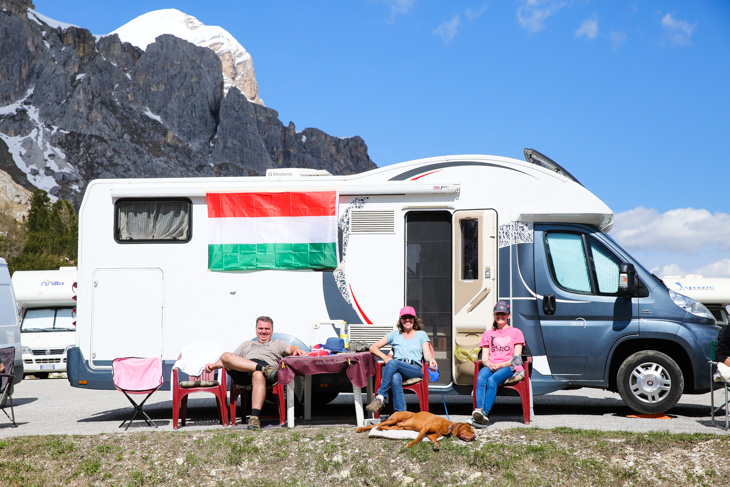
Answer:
[(500, 346)]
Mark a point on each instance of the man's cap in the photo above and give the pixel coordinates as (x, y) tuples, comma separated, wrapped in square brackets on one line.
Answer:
[(501, 307), (407, 310)]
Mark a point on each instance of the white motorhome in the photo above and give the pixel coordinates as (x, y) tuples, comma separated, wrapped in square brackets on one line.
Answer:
[(713, 292), (447, 235), (9, 330), (46, 304)]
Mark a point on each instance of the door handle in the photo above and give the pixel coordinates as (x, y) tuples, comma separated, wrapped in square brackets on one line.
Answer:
[(548, 304)]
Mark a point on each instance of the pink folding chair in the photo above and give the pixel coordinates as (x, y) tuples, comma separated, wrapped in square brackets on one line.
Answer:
[(133, 375)]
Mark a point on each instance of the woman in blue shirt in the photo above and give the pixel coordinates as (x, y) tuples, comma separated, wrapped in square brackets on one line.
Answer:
[(410, 345)]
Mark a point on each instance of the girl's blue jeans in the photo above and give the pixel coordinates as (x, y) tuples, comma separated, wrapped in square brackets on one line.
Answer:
[(394, 373), (487, 383)]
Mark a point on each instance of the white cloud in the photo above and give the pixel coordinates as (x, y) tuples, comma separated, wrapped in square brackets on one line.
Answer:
[(448, 30), (721, 268), (475, 13), (677, 32), (399, 7), (617, 38), (677, 242), (588, 29), (532, 14)]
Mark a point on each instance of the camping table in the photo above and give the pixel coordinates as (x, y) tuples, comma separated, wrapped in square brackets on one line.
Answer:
[(359, 367)]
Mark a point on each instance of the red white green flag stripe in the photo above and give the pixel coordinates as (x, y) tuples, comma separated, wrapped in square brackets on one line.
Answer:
[(250, 231)]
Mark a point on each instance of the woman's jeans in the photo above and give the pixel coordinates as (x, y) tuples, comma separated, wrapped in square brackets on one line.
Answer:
[(487, 383), (394, 373)]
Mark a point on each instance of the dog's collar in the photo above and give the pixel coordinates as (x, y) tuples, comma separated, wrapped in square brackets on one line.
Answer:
[(448, 431)]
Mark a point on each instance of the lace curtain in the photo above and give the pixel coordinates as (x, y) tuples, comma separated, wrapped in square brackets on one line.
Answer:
[(153, 220)]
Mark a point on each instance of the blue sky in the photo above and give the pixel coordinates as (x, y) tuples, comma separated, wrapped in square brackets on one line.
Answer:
[(630, 96)]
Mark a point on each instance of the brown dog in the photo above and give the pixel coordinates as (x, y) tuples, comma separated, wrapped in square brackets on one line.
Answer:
[(427, 424)]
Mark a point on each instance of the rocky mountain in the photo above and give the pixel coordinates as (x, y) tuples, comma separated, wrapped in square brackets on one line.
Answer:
[(236, 62), (75, 107)]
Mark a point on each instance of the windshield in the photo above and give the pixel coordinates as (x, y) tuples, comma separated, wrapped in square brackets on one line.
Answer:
[(48, 319)]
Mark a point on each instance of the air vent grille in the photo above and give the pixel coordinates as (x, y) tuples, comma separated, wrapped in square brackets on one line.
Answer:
[(372, 221)]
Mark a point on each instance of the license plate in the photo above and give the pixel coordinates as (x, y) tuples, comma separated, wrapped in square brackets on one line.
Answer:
[(48, 367)]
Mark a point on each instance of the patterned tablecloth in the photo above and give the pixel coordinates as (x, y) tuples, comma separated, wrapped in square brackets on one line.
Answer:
[(359, 366)]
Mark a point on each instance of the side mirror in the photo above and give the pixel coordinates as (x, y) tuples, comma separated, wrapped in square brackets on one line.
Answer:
[(628, 283)]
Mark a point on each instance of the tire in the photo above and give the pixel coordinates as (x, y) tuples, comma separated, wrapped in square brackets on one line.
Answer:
[(650, 382)]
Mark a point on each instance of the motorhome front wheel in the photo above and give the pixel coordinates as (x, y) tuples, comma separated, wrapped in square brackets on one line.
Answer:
[(650, 382)]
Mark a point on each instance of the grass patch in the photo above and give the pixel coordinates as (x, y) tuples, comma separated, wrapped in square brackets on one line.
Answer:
[(521, 457)]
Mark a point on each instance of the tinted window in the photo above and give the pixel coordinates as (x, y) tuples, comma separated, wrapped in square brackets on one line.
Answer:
[(149, 220), (469, 249)]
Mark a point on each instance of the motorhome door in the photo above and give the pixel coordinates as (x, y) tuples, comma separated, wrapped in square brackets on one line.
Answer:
[(474, 285), (428, 279), (581, 313), (126, 314)]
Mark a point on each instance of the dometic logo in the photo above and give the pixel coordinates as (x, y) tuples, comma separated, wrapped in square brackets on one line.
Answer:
[(48, 283), (696, 287)]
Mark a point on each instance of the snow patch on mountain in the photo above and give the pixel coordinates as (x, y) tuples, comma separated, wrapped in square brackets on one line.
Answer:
[(237, 64)]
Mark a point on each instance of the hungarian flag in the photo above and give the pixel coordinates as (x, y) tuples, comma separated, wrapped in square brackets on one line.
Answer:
[(248, 231)]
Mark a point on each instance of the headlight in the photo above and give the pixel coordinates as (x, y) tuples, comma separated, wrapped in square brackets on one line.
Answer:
[(26, 351), (690, 305)]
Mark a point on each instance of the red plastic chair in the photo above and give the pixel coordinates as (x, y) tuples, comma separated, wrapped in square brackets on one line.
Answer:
[(419, 386), (522, 388), (133, 375), (276, 390), (208, 383)]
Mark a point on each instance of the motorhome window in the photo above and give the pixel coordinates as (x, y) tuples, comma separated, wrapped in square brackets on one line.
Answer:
[(153, 220), (606, 265), (568, 260), (47, 319), (8, 313), (469, 249)]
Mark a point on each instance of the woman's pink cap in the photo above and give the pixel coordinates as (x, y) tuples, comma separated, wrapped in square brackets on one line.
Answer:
[(407, 310)]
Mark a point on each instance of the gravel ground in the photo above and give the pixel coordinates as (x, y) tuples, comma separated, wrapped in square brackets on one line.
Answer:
[(52, 406)]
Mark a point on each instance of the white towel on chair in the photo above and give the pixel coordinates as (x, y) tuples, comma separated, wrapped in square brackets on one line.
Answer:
[(724, 371), (195, 355)]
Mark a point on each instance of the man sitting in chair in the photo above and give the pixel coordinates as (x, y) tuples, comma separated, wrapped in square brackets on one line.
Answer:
[(256, 363), (722, 355)]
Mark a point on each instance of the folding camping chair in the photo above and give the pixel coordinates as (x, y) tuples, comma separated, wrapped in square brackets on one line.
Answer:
[(7, 356), (133, 375), (726, 405)]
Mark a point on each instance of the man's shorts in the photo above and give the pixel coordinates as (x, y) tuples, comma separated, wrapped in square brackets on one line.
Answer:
[(244, 378)]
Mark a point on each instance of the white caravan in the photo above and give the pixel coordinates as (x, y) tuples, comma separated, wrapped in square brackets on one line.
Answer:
[(9, 330), (46, 303), (713, 292), (447, 235)]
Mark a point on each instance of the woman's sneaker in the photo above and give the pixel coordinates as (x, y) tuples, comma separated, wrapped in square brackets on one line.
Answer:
[(518, 376), (375, 406), (479, 418)]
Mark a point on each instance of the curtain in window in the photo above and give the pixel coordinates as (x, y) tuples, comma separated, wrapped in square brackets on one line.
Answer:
[(153, 220), (569, 261), (606, 269)]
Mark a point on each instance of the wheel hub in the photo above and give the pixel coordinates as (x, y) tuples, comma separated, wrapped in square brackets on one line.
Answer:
[(650, 382)]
